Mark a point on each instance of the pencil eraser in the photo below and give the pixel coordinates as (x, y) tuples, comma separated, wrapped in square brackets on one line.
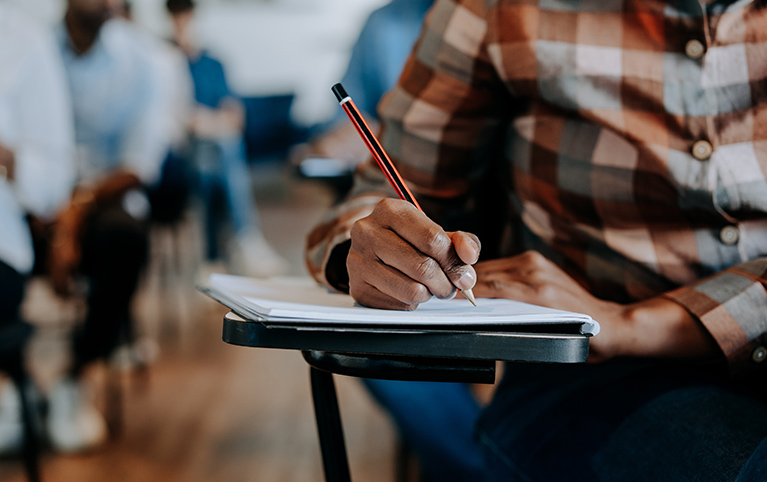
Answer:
[(340, 92)]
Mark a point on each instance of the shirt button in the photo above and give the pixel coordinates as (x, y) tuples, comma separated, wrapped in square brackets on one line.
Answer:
[(694, 49), (702, 150), (729, 235), (759, 354)]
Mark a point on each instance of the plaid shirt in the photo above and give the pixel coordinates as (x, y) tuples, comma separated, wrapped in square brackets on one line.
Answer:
[(631, 137)]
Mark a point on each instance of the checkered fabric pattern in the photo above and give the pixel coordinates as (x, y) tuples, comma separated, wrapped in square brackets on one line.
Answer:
[(634, 135)]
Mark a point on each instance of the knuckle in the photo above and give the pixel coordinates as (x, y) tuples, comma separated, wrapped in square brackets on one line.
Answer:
[(497, 285), (436, 241), (360, 229), (388, 205), (534, 258), (427, 268)]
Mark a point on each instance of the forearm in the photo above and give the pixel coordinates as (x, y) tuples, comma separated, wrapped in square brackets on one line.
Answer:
[(661, 328), (110, 188)]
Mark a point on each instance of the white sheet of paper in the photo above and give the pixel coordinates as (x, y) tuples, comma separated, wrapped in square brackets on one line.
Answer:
[(302, 300)]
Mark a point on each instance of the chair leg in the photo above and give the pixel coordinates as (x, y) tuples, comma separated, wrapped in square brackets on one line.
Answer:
[(329, 428), (114, 402), (29, 418)]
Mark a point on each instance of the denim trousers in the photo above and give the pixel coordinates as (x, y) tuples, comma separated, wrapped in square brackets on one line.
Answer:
[(224, 184), (624, 421), (437, 420), (618, 421)]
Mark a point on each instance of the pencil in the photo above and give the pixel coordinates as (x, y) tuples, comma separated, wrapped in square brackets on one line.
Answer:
[(382, 159)]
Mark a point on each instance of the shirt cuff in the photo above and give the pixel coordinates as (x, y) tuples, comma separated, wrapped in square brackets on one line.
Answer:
[(732, 306), (335, 230)]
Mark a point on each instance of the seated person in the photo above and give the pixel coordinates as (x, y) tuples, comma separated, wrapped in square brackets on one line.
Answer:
[(36, 170), (102, 234), (632, 189), (216, 129)]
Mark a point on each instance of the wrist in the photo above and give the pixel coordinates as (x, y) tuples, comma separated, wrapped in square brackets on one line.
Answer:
[(662, 328), (83, 198)]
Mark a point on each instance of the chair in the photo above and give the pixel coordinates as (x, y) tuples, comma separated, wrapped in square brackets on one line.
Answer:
[(269, 129), (13, 338)]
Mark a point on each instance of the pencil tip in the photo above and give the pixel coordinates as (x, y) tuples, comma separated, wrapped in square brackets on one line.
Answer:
[(469, 296)]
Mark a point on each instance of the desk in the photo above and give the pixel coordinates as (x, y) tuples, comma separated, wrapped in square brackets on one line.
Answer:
[(424, 355)]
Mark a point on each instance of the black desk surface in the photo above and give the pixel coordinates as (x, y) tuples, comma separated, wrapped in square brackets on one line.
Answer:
[(526, 345)]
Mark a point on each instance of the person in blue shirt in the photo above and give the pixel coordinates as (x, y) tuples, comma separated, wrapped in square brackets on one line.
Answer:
[(217, 153), (376, 61), (101, 235)]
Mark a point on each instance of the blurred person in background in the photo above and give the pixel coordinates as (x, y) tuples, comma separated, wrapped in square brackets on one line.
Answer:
[(217, 151), (612, 159), (102, 235), (36, 171), (169, 195), (377, 58)]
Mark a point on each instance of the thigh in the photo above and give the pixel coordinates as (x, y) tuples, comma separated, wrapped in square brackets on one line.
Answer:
[(620, 422), (114, 242)]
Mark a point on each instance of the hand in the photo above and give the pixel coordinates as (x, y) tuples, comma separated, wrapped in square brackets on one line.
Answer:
[(399, 258), (65, 250), (653, 328), (7, 163)]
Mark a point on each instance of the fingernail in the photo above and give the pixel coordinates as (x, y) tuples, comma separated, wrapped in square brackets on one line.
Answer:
[(475, 251), (467, 280)]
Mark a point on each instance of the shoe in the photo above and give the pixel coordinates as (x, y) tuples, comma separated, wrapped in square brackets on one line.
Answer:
[(139, 354), (11, 424), (252, 256), (74, 424)]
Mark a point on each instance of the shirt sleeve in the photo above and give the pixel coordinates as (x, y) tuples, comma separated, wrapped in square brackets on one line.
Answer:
[(732, 305), (147, 141), (439, 124), (44, 152)]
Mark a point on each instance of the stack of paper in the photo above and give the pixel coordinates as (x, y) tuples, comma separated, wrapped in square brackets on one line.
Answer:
[(297, 301)]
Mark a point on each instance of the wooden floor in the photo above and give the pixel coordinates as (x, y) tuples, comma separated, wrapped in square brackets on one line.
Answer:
[(207, 411)]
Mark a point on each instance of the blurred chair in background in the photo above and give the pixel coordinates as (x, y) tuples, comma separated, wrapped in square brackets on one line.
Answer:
[(102, 235), (217, 149), (36, 176), (334, 148)]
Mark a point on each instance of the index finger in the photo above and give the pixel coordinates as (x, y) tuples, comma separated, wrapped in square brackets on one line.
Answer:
[(454, 252)]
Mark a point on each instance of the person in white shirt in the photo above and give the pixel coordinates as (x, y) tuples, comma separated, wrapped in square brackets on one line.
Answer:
[(122, 137), (36, 171)]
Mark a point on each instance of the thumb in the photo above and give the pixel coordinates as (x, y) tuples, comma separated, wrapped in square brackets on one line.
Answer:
[(467, 246)]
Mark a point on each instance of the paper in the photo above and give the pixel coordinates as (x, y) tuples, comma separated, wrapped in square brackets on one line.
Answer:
[(301, 300)]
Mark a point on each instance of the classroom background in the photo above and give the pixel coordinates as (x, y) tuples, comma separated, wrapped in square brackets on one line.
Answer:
[(180, 403)]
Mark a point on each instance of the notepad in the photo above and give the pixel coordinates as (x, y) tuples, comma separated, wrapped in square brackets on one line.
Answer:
[(300, 301)]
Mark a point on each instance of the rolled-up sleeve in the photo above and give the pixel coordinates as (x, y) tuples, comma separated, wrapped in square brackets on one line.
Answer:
[(732, 305)]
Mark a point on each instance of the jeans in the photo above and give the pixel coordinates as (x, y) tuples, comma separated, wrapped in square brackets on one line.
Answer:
[(224, 181), (437, 420), (623, 421), (115, 249)]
